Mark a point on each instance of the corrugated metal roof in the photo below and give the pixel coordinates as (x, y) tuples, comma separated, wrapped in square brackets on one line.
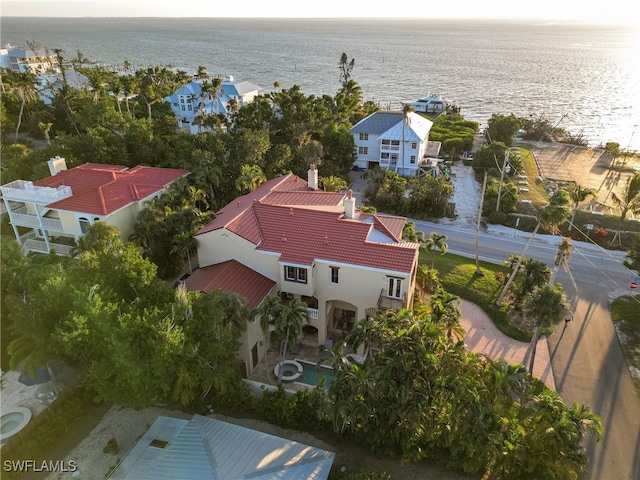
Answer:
[(377, 122), (207, 448)]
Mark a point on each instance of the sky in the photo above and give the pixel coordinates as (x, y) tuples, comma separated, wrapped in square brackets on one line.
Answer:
[(573, 11)]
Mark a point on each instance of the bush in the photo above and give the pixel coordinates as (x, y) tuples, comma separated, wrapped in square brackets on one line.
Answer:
[(497, 218)]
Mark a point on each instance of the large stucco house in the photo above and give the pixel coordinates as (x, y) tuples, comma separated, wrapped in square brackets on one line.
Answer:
[(21, 59), (53, 213), (187, 102), (288, 238), (384, 139)]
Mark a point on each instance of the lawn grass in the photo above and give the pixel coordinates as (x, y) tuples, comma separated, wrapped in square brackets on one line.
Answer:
[(458, 277), (625, 313)]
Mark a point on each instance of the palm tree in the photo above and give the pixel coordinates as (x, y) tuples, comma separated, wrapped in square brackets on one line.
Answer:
[(547, 306), (446, 313), (428, 278), (565, 250), (269, 309), (550, 216), (334, 184), (24, 85), (406, 121), (579, 195), (533, 274), (434, 242), (288, 326), (251, 177), (410, 233), (628, 202)]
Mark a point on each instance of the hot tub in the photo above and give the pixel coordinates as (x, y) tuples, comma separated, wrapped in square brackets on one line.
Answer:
[(291, 370), (12, 421)]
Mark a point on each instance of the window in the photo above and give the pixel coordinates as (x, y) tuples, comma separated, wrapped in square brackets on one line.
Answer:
[(395, 287), (413, 159), (182, 107), (295, 274), (386, 142), (334, 274), (385, 155), (414, 145), (364, 136), (363, 150), (395, 142)]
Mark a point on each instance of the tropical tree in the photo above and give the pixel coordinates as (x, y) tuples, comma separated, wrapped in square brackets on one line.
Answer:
[(345, 66), (578, 195), (410, 233), (269, 309), (632, 261), (251, 177), (446, 313), (407, 109), (628, 202), (333, 183), (565, 250), (288, 326), (550, 217), (547, 306), (533, 274), (435, 242), (24, 84), (428, 278)]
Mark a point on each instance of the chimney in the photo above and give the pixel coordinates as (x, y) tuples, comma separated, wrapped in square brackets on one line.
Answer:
[(312, 176), (350, 205), (56, 165)]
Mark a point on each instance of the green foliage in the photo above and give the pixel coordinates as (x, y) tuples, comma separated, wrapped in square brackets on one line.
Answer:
[(503, 128), (368, 475), (303, 410), (490, 156), (453, 131), (497, 218), (632, 261), (422, 395)]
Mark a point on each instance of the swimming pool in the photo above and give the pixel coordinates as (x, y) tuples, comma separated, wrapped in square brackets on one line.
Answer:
[(312, 372)]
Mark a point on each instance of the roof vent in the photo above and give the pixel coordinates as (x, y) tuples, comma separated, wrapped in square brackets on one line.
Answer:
[(326, 241), (291, 212), (284, 237)]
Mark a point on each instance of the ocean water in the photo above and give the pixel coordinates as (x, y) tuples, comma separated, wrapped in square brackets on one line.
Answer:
[(586, 78)]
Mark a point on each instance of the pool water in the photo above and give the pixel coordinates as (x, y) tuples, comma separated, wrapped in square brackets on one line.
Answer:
[(312, 372), (10, 422)]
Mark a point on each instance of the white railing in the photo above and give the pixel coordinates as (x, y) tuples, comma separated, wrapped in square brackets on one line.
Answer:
[(23, 190), (313, 313), (41, 247), (35, 221)]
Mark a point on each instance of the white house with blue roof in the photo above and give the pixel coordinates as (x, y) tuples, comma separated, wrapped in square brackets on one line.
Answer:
[(188, 101), (386, 140)]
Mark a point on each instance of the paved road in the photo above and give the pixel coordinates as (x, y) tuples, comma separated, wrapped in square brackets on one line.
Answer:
[(587, 361)]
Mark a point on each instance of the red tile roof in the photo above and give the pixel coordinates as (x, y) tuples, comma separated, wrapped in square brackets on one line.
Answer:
[(304, 235), (231, 277), (103, 189), (286, 217)]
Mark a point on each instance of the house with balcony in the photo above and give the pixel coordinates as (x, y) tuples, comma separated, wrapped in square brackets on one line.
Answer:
[(385, 139), (189, 101), (38, 60), (53, 213), (290, 239)]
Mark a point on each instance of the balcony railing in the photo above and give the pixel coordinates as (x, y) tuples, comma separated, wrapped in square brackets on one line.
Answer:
[(27, 220), (25, 191), (40, 246), (391, 303), (313, 313)]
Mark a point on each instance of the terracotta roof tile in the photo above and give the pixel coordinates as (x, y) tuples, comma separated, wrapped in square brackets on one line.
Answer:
[(304, 235), (103, 189), (231, 277)]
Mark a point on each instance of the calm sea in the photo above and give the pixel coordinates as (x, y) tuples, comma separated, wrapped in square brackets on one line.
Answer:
[(585, 77)]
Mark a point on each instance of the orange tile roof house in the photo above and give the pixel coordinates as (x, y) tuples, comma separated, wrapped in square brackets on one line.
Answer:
[(291, 239), (52, 213)]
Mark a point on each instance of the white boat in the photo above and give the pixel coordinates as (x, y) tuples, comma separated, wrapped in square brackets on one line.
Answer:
[(430, 104)]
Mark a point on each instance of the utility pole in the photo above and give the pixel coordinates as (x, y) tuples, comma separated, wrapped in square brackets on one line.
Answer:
[(504, 167)]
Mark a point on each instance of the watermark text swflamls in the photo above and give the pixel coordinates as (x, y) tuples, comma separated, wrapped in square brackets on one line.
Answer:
[(23, 466)]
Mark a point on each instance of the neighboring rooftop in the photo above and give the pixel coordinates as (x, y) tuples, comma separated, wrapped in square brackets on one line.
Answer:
[(206, 448), (99, 189), (390, 125)]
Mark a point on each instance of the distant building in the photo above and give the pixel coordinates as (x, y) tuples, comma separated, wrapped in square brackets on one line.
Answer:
[(188, 101), (384, 139), (27, 60), (290, 239), (53, 213)]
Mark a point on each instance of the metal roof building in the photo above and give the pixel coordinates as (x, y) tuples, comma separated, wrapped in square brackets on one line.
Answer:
[(206, 448)]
